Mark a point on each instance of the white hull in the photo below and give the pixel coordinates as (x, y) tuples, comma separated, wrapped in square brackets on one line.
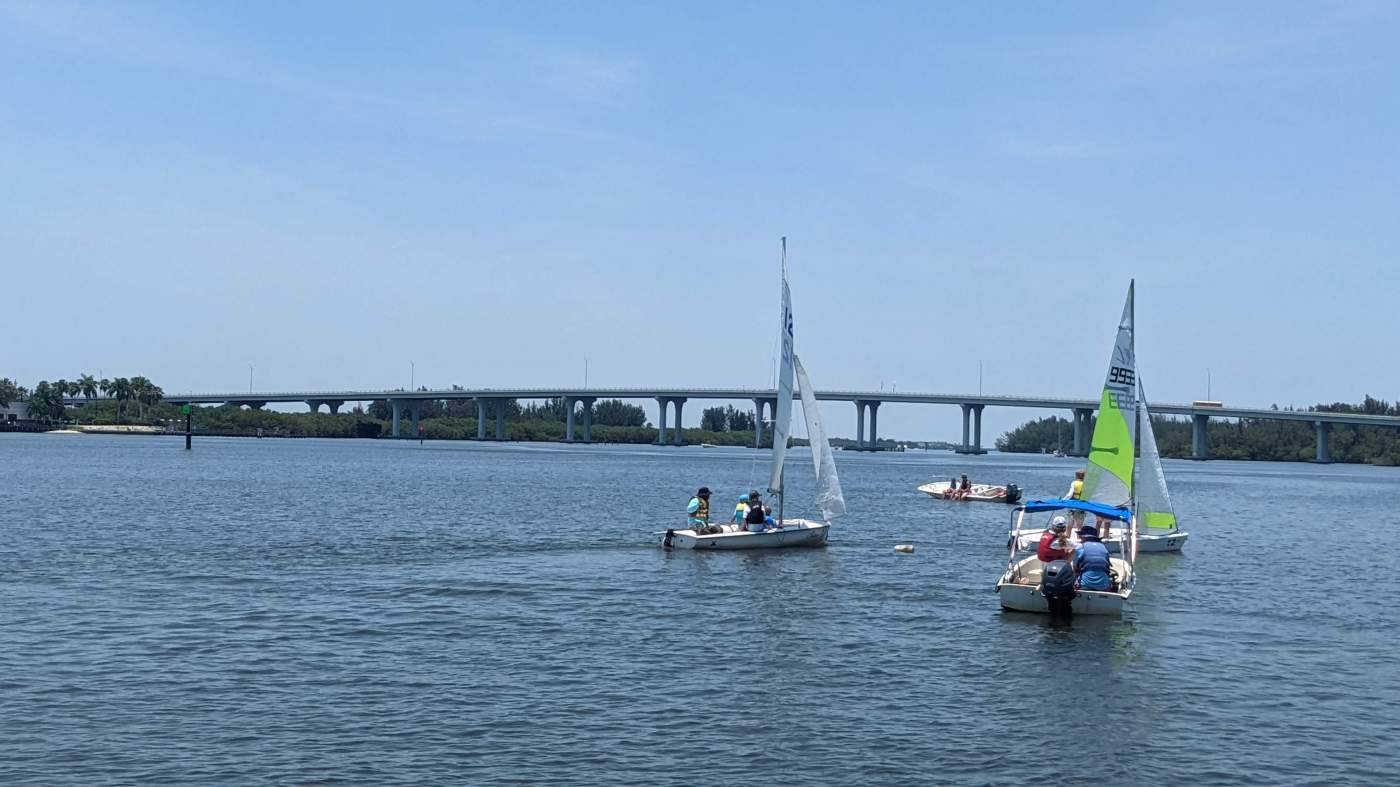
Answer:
[(793, 533), (1019, 590), (980, 493), (1150, 543)]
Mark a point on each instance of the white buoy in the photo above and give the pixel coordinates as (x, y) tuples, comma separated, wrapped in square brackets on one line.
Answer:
[(906, 548)]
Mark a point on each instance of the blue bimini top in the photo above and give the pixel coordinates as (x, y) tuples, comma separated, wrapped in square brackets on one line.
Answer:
[(1107, 512)]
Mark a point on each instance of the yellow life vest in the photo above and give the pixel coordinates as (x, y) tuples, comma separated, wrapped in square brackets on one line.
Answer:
[(703, 512), (1076, 490)]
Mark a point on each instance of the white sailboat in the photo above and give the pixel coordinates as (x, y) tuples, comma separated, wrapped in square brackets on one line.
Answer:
[(830, 500), (1030, 585), (1158, 530)]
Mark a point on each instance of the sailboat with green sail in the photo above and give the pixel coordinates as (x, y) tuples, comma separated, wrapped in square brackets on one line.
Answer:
[(1158, 528)]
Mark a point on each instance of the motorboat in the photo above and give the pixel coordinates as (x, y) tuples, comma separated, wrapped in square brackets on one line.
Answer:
[(1108, 492), (1025, 586), (981, 493)]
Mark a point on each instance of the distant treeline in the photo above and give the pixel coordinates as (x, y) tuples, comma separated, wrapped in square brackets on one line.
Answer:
[(138, 402), (1278, 441)]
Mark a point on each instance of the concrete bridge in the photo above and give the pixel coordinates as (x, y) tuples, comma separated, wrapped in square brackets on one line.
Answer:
[(490, 404)]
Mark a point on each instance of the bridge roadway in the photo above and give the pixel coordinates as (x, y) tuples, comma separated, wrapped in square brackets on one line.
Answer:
[(866, 402)]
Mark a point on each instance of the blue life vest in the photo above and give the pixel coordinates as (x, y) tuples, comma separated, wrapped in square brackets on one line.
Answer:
[(1092, 566), (1091, 556)]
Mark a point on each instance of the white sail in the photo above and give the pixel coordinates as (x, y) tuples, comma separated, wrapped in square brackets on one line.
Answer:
[(1154, 505), (829, 498), (1109, 477), (782, 413)]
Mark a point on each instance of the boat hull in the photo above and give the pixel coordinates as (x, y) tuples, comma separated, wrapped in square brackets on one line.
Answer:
[(1019, 590), (981, 493), (793, 533), (1150, 543)]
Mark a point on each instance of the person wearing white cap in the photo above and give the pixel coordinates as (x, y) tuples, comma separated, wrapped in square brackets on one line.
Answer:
[(1052, 543)]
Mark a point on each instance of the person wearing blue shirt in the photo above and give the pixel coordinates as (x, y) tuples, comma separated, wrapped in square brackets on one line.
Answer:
[(1091, 561), (697, 513)]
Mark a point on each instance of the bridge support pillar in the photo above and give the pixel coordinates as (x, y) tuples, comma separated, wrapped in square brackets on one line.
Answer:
[(860, 425), (972, 413), (334, 407), (569, 403), (500, 419), (588, 419), (1324, 456), (758, 422), (481, 419), (1081, 431), (398, 413), (662, 404), (680, 430), (1200, 437), (314, 404), (415, 411), (874, 423)]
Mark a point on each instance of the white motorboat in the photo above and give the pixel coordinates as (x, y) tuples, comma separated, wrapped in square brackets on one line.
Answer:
[(830, 501), (981, 493), (1023, 586), (1108, 493)]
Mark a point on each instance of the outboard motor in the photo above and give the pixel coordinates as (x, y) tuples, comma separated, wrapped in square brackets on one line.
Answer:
[(670, 534), (1057, 586), (1013, 493)]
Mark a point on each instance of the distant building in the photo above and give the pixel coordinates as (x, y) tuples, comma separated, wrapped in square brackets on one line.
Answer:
[(17, 411)]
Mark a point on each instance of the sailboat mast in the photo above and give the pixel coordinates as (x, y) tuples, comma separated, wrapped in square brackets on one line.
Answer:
[(1137, 410), (782, 474)]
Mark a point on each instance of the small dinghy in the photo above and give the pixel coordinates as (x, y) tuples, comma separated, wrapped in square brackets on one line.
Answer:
[(981, 493), (830, 501)]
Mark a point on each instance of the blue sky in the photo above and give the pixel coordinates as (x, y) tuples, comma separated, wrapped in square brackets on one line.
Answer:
[(498, 191)]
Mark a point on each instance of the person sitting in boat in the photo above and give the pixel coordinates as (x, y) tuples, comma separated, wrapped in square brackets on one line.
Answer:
[(1091, 562), (754, 520), (741, 510), (698, 512), (1052, 542), (768, 517), (952, 489), (965, 488)]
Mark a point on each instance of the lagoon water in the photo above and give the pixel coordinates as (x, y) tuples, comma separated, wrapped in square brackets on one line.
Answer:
[(372, 612)]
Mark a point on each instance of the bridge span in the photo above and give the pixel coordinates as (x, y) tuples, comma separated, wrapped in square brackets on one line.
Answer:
[(490, 407)]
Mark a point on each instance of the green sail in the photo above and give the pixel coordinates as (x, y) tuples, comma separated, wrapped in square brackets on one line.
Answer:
[(1109, 477)]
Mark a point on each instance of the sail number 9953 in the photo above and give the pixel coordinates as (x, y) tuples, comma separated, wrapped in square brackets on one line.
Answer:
[(1119, 375)]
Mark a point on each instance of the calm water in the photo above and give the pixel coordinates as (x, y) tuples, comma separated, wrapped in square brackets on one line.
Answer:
[(357, 612)]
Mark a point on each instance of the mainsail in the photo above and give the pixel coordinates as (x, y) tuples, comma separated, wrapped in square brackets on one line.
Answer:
[(1154, 505), (782, 414), (829, 498), (1109, 476)]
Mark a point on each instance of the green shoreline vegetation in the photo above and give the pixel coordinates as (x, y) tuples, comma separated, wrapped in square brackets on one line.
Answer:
[(1244, 439), (138, 402)]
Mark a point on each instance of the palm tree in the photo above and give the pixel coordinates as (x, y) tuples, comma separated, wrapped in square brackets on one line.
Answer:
[(121, 390), (87, 386), (10, 391), (104, 385), (45, 403), (146, 393)]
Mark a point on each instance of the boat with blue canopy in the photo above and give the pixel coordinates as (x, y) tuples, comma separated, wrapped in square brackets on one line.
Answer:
[(1070, 574)]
